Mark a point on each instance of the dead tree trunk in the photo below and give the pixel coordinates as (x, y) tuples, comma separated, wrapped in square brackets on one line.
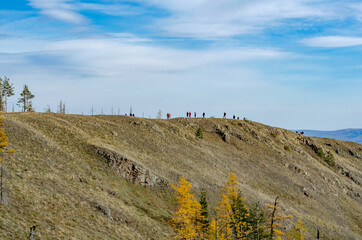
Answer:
[(32, 233), (272, 218)]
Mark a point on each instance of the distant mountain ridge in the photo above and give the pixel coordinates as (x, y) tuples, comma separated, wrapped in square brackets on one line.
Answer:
[(351, 134)]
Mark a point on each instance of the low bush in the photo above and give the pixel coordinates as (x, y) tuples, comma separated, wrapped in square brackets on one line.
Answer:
[(199, 133)]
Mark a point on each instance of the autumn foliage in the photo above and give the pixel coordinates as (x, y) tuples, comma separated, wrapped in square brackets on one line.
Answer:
[(3, 150), (234, 220), (187, 219)]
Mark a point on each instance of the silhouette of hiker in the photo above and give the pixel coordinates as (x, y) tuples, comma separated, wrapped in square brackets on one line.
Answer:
[(168, 116), (189, 114), (195, 114), (224, 114), (233, 116), (203, 115)]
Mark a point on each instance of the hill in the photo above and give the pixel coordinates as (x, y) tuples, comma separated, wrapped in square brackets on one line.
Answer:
[(353, 135), (107, 177)]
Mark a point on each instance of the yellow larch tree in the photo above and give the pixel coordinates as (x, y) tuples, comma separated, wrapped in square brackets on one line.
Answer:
[(298, 232), (231, 211), (187, 220), (276, 220)]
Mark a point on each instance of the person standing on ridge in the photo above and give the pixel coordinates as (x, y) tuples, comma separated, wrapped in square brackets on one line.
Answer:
[(195, 114), (233, 116), (224, 114), (187, 114), (203, 114)]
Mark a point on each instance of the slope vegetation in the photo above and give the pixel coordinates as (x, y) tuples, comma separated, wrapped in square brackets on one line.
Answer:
[(107, 177)]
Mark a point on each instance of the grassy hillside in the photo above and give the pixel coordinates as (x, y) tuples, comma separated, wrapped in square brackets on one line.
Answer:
[(106, 177)]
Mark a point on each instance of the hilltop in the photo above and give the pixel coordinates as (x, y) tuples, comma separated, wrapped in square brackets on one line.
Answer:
[(108, 177)]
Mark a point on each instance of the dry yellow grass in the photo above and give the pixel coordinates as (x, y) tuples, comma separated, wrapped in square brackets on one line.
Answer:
[(60, 185)]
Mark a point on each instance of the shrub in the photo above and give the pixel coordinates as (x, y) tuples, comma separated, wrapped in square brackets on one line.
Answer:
[(199, 133), (286, 148), (320, 153), (329, 159)]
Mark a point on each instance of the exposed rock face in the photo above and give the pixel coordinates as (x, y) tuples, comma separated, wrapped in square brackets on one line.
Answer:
[(129, 169)]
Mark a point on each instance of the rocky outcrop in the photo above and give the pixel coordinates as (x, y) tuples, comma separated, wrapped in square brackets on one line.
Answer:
[(129, 169)]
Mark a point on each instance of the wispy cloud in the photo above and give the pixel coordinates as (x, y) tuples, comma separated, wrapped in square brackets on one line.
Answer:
[(214, 18), (110, 9), (332, 41), (58, 9)]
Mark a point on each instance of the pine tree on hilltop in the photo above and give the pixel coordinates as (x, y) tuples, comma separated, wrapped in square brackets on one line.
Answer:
[(25, 100), (8, 91)]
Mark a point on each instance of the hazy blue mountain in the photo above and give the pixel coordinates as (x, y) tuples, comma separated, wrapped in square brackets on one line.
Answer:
[(354, 135)]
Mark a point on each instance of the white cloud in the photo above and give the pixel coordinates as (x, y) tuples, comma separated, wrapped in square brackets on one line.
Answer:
[(110, 9), (332, 41), (113, 58), (58, 9), (214, 18)]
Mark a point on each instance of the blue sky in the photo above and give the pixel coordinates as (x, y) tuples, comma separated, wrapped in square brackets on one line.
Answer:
[(292, 64)]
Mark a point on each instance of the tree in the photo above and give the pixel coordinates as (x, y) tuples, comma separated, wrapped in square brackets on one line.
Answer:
[(204, 212), (61, 107), (48, 109), (275, 219), (256, 223), (224, 209), (4, 150), (1, 95), (187, 218), (298, 232), (199, 133), (240, 214), (7, 91), (159, 114), (25, 100), (214, 231)]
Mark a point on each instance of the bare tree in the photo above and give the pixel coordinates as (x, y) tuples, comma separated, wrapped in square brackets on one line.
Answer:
[(159, 114)]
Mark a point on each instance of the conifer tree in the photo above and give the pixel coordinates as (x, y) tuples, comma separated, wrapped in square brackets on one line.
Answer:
[(25, 100), (275, 219), (240, 215), (187, 218), (214, 231), (224, 209), (256, 223), (298, 232), (204, 212), (7, 91)]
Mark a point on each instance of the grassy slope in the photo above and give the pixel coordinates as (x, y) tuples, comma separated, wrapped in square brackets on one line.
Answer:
[(62, 181)]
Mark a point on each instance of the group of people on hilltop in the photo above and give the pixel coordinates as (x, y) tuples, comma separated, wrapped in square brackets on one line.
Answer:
[(188, 114)]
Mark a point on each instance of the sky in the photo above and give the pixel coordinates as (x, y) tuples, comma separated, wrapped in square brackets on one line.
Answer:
[(295, 64)]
